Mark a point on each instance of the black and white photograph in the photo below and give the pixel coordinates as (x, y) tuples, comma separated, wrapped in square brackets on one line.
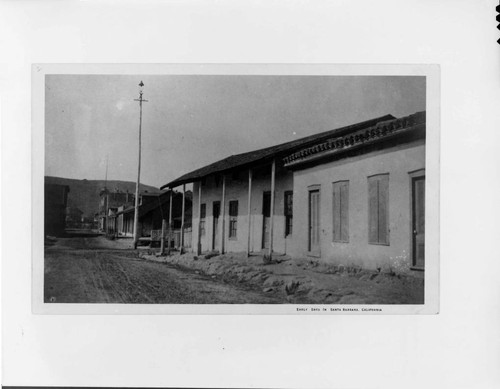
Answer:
[(256, 189), (249, 194)]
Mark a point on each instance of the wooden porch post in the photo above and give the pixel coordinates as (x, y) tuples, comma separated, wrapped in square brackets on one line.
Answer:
[(271, 221), (182, 216), (170, 222), (163, 227), (249, 209), (198, 246), (223, 212)]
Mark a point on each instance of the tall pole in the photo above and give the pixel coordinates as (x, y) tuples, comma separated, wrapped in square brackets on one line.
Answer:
[(249, 209), (136, 213), (106, 198)]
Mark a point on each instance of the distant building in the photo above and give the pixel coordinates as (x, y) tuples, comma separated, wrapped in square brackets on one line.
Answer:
[(352, 196), (153, 209), (55, 203), (74, 217), (109, 200)]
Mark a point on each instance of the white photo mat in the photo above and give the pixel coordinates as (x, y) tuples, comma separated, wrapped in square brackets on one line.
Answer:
[(456, 348)]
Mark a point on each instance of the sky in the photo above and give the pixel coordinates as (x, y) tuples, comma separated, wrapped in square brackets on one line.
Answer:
[(192, 120)]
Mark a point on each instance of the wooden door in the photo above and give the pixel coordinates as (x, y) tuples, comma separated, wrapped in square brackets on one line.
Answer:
[(266, 216), (418, 222), (215, 229), (314, 225)]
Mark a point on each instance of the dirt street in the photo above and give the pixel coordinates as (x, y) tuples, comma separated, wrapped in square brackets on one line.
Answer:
[(95, 270)]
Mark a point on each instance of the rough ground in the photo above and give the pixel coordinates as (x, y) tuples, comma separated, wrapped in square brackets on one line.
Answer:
[(305, 281), (86, 269), (96, 270)]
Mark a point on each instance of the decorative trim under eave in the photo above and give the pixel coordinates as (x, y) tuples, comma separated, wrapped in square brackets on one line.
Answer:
[(380, 131)]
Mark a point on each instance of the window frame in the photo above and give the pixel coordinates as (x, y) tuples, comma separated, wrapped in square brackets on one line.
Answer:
[(203, 217), (379, 177), (316, 253), (419, 173), (233, 220)]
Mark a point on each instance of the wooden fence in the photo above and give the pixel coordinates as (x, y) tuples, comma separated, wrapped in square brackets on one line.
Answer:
[(176, 237)]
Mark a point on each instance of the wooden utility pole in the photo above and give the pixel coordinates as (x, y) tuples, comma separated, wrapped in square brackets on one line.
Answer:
[(136, 213), (249, 209)]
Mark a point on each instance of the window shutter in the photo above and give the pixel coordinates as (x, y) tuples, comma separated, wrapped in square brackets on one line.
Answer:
[(344, 211), (378, 204), (336, 212), (373, 210), (233, 208), (383, 201)]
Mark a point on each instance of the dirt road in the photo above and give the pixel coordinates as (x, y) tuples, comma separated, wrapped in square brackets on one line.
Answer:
[(94, 270)]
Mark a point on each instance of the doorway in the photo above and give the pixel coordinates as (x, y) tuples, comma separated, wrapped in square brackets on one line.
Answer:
[(418, 222), (314, 226), (215, 225), (266, 219)]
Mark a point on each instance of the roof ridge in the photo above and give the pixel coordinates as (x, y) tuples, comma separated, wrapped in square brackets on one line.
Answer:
[(263, 153)]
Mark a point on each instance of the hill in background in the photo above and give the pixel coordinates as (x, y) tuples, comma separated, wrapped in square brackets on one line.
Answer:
[(84, 194)]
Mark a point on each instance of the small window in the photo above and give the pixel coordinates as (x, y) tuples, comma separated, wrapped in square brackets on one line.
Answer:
[(288, 211), (233, 219), (378, 208), (203, 215), (341, 211)]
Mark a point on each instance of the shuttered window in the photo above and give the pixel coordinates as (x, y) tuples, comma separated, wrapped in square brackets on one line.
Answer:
[(341, 211), (203, 215), (378, 208), (233, 218)]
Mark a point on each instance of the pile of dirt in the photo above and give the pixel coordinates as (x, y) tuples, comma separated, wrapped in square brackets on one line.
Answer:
[(304, 280)]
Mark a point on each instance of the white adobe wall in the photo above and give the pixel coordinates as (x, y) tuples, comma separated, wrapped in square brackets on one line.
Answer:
[(238, 190), (398, 162)]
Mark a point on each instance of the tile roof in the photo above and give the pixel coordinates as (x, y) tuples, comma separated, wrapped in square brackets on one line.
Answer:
[(262, 155)]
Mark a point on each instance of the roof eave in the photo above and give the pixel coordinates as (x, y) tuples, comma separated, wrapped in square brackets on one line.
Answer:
[(307, 141), (347, 145)]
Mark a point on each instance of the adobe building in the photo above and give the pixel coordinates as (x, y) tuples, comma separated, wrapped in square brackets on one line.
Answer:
[(351, 196), (55, 203)]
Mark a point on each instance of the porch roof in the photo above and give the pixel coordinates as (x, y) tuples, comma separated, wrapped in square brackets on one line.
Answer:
[(162, 204), (146, 208), (246, 160)]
